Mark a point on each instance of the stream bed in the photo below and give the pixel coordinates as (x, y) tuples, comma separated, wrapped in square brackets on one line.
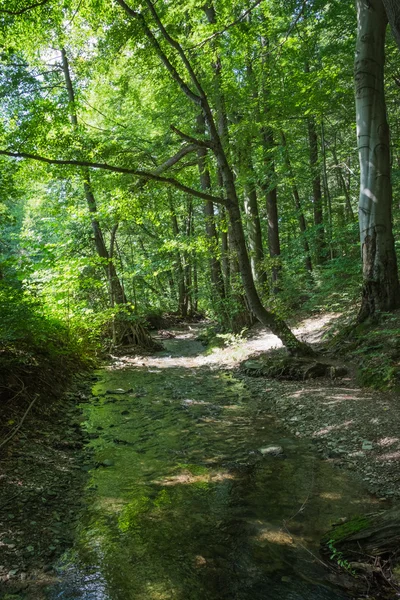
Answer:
[(185, 500)]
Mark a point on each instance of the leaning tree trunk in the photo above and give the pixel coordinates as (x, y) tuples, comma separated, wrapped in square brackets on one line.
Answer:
[(381, 290), (231, 202)]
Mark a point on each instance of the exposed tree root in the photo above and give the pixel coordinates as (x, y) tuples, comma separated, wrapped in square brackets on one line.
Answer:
[(281, 365), (133, 335)]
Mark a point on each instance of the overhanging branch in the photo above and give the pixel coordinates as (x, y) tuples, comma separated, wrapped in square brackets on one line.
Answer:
[(16, 13), (115, 169)]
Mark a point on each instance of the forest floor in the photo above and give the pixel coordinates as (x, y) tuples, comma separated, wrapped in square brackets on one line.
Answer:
[(44, 469), (352, 427)]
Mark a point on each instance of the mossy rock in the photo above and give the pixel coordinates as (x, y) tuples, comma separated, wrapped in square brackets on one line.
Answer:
[(344, 530)]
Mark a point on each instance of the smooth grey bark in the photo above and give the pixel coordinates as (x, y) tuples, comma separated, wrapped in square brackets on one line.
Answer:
[(381, 290)]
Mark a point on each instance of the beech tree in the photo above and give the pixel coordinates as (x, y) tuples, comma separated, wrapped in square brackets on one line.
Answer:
[(381, 290)]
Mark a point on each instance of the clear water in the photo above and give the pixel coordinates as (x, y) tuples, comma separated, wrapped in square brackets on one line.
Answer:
[(189, 508)]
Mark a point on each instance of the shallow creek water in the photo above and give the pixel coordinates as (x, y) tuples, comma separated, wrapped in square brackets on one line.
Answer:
[(188, 508)]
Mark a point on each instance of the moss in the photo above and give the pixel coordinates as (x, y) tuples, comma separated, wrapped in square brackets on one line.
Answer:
[(341, 532)]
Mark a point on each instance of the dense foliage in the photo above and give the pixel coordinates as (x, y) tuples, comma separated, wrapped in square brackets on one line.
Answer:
[(114, 205)]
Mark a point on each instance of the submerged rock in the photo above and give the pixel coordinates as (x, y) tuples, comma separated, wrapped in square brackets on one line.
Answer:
[(272, 451)]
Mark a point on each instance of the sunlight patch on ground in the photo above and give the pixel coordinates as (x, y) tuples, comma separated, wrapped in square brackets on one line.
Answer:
[(330, 428), (330, 496), (187, 478), (387, 441), (274, 535)]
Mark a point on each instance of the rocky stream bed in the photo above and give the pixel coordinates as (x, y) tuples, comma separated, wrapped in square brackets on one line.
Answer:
[(190, 487)]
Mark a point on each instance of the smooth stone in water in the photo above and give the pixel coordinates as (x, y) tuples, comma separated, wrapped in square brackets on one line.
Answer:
[(272, 451)]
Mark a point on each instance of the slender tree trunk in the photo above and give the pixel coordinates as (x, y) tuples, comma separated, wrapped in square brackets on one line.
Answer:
[(327, 194), (117, 294), (297, 203), (348, 208), (217, 279), (380, 278), (271, 195), (180, 272), (253, 225), (317, 192), (231, 202)]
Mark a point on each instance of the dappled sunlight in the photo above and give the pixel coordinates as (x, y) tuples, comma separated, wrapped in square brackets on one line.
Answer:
[(274, 535), (186, 478), (389, 456), (330, 428), (330, 495), (110, 504), (387, 441), (191, 493)]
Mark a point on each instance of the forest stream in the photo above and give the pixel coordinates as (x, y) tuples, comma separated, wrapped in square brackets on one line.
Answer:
[(187, 500)]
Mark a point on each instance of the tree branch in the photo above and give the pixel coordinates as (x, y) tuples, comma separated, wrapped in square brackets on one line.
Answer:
[(192, 140), (217, 33), (106, 167), (176, 158), (159, 51), (16, 13), (175, 44)]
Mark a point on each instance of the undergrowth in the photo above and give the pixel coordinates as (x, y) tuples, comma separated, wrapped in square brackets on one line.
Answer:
[(373, 346)]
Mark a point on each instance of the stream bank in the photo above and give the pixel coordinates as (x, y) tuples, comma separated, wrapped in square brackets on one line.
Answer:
[(197, 492), (186, 499)]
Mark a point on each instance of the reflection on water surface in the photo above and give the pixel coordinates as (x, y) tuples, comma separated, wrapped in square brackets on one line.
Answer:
[(187, 507)]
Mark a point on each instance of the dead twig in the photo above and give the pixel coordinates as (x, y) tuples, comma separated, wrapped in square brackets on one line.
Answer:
[(17, 427)]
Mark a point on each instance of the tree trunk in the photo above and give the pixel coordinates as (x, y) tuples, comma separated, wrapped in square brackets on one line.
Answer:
[(393, 13), (180, 272), (253, 225), (317, 193), (270, 190), (117, 295), (380, 278), (348, 208), (231, 201), (217, 279), (297, 203)]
